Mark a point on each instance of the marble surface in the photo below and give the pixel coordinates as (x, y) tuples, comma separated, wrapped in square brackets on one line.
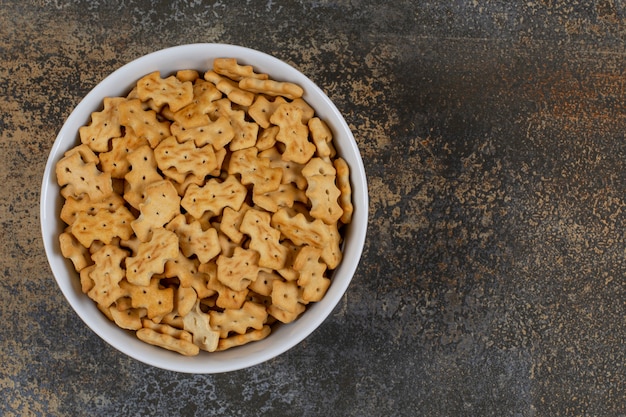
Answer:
[(493, 278)]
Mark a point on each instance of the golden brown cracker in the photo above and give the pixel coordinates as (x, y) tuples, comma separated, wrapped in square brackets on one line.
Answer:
[(193, 240), (151, 257), (198, 324), (214, 196), (238, 270), (75, 173), (249, 316), (229, 67), (104, 126), (167, 342), (293, 133), (169, 91), (264, 239), (116, 161), (314, 233), (143, 173), (255, 170), (156, 300), (242, 339), (185, 158), (312, 277), (73, 250), (144, 123), (262, 109), (103, 226), (107, 275), (343, 183), (271, 87), (161, 204)]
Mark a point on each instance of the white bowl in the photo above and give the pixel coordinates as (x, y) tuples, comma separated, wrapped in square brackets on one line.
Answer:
[(283, 337)]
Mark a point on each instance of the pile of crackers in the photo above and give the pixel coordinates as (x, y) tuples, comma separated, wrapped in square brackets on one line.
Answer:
[(203, 208)]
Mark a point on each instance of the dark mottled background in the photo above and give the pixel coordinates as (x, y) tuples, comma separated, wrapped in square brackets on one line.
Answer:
[(493, 278)]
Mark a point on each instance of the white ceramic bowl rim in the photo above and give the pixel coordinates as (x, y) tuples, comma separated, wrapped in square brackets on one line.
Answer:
[(284, 337)]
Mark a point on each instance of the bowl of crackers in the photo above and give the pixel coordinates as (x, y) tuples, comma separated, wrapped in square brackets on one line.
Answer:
[(204, 208)]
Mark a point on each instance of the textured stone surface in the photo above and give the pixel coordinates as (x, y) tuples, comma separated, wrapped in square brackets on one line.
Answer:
[(493, 278)]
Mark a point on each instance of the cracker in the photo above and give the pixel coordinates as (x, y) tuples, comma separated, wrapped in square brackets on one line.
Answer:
[(107, 275), (245, 132), (271, 87), (266, 138), (255, 170), (227, 298), (285, 295), (314, 233), (193, 240), (188, 273), (321, 136), (151, 257), (196, 113), (343, 183), (198, 324), (285, 316), (238, 270), (264, 239), (81, 175), (143, 173), (185, 158), (262, 109), (167, 342), (187, 75), (242, 339), (116, 161), (229, 67), (144, 123), (312, 277), (264, 282), (293, 133), (323, 194), (73, 250), (161, 204), (156, 300), (103, 226), (249, 316), (231, 220), (169, 91), (218, 133), (104, 126), (184, 300), (213, 197), (129, 319), (230, 88), (292, 171), (284, 196)]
